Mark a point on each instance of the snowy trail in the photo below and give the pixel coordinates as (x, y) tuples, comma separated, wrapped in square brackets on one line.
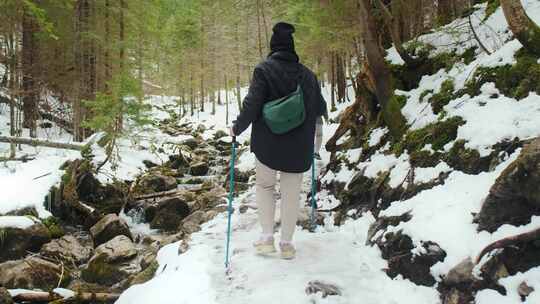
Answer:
[(333, 254)]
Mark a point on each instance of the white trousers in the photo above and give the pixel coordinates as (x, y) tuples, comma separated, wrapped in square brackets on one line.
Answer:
[(290, 184)]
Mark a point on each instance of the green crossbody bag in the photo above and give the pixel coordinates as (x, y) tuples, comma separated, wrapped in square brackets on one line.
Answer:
[(286, 113)]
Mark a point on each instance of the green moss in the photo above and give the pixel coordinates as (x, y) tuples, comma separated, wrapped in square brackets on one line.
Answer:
[(437, 134), (424, 159), (492, 6), (444, 61), (465, 159), (99, 271), (445, 95), (469, 55), (55, 229), (511, 80), (393, 118), (145, 275), (424, 94)]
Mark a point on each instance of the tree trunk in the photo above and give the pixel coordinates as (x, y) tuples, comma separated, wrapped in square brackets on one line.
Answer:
[(259, 38), (107, 54), (444, 11), (191, 95), (340, 77), (266, 40), (12, 66), (86, 62), (202, 93), (226, 101), (29, 69), (524, 29), (237, 40), (333, 81), (379, 70), (393, 26), (122, 38)]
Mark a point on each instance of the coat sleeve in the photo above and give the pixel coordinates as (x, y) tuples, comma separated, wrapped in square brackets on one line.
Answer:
[(253, 102)]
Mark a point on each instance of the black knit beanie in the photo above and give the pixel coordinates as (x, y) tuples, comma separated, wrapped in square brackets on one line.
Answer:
[(282, 39)]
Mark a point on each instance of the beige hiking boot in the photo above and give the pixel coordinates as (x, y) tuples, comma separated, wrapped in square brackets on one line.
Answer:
[(288, 252), (264, 246)]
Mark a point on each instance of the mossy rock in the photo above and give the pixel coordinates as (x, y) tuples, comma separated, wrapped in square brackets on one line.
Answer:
[(101, 272), (437, 134), (28, 211), (393, 118), (424, 159), (146, 275), (445, 95), (55, 228), (465, 159), (424, 94), (515, 81)]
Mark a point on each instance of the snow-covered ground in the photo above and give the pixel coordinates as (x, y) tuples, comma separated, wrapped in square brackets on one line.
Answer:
[(334, 254)]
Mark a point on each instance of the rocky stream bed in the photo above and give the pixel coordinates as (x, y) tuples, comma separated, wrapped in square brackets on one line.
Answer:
[(104, 238)]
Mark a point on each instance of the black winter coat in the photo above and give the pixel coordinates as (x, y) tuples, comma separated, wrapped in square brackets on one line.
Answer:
[(274, 78)]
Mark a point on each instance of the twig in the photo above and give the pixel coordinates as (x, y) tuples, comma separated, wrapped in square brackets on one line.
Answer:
[(477, 38), (61, 275), (46, 174)]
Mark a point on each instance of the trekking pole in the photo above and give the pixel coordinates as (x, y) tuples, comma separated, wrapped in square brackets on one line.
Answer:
[(230, 207), (313, 192)]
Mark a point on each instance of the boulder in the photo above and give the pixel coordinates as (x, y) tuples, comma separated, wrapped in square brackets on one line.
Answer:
[(461, 273), (16, 242), (239, 176), (169, 214), (219, 134), (192, 143), (397, 249), (67, 249), (33, 273), (193, 222), (304, 218), (208, 199), (515, 196), (456, 296), (144, 276), (196, 217), (199, 168), (326, 289), (156, 182), (210, 215), (23, 212), (147, 259), (178, 161), (5, 297), (110, 263), (524, 290), (109, 227), (149, 164)]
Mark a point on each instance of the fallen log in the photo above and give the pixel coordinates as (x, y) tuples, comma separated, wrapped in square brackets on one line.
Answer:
[(23, 158), (159, 194), (37, 297), (82, 297), (42, 143), (508, 241)]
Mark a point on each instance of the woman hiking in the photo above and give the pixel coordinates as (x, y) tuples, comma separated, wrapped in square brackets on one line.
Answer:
[(290, 153)]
